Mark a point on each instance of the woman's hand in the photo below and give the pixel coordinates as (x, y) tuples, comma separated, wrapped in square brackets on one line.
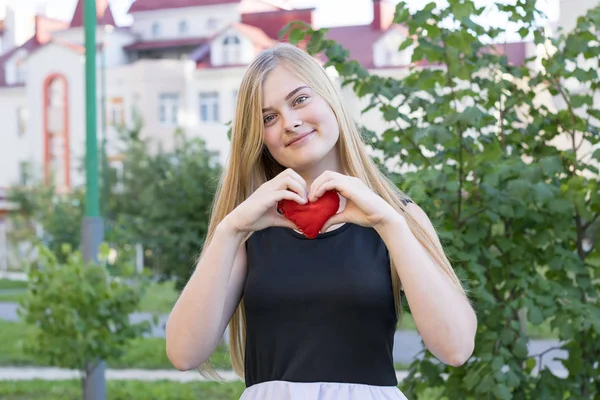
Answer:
[(259, 211), (363, 206)]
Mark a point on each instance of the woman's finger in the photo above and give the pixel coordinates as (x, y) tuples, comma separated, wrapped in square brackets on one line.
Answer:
[(280, 220), (285, 194), (321, 179), (334, 220), (332, 184)]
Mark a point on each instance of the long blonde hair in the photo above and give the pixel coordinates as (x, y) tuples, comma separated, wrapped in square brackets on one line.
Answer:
[(250, 164)]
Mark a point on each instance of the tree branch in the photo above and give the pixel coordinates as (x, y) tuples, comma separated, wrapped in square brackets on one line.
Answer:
[(452, 86), (543, 353), (590, 222), (473, 215)]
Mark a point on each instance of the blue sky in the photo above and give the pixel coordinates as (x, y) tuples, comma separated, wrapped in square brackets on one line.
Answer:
[(329, 12)]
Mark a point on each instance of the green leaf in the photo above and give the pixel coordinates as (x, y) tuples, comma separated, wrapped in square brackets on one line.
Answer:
[(462, 10), (543, 192), (296, 35), (405, 44), (523, 32), (502, 392), (520, 349), (535, 316)]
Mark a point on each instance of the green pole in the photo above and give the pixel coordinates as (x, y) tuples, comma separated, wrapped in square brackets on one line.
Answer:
[(92, 229), (92, 204), (105, 179)]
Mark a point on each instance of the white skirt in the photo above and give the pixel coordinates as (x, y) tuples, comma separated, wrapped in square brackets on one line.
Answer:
[(283, 390)]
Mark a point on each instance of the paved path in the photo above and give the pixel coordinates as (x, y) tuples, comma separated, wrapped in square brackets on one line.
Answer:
[(13, 276), (29, 373), (407, 344)]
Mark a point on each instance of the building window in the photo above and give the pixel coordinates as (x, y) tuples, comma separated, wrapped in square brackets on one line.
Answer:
[(22, 115), (21, 73), (24, 173), (116, 112), (168, 108), (212, 24), (183, 27), (155, 29), (209, 107), (231, 50)]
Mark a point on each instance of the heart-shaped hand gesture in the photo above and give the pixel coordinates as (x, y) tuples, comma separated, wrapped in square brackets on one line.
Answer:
[(363, 206), (310, 218)]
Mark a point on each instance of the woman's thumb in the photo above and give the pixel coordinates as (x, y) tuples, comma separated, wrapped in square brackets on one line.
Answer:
[(335, 219)]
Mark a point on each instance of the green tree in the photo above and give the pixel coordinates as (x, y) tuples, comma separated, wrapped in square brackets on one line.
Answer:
[(163, 201), (503, 176), (79, 312), (45, 216)]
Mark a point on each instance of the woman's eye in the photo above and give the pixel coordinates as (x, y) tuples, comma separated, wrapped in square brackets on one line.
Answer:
[(301, 99), (268, 119)]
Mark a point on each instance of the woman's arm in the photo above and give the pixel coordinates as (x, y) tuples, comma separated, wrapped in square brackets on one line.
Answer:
[(207, 302), (443, 315)]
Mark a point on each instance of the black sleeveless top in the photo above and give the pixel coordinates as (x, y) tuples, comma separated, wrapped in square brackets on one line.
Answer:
[(319, 310)]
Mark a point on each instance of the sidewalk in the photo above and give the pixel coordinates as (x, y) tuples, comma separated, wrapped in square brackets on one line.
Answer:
[(13, 276), (56, 374)]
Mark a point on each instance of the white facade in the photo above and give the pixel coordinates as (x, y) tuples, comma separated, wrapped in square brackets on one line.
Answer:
[(570, 10), (19, 26), (15, 135), (43, 64), (169, 94), (231, 47), (194, 22), (385, 50)]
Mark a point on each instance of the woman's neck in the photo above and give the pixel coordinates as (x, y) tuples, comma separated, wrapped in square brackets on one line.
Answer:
[(312, 173)]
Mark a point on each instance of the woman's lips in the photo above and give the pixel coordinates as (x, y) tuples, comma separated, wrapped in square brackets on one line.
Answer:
[(299, 137)]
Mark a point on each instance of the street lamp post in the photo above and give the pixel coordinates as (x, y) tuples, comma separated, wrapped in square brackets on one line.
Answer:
[(93, 226)]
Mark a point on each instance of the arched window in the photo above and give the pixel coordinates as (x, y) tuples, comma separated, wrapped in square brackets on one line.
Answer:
[(231, 50), (56, 131)]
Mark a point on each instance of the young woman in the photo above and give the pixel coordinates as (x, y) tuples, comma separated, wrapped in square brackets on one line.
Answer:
[(312, 318)]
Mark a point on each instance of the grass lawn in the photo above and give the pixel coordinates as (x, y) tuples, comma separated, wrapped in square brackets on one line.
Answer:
[(159, 297), (8, 284), (131, 390), (145, 353), (122, 390), (543, 331)]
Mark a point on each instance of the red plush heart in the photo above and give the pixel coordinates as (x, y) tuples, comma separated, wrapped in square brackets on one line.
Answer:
[(310, 217)]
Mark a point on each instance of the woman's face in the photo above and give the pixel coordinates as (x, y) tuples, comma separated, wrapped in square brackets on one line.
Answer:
[(301, 130)]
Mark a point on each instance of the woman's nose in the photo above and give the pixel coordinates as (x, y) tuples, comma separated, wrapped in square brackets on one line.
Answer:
[(292, 122)]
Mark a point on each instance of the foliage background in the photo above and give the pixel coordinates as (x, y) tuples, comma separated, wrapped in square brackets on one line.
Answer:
[(509, 180)]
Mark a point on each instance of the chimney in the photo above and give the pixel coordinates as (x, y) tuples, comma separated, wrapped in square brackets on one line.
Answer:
[(383, 15)]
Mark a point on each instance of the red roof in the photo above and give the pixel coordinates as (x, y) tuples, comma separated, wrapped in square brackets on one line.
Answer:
[(164, 44), (103, 13), (155, 5), (272, 22)]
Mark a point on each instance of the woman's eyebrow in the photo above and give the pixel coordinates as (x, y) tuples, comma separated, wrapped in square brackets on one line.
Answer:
[(290, 94)]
